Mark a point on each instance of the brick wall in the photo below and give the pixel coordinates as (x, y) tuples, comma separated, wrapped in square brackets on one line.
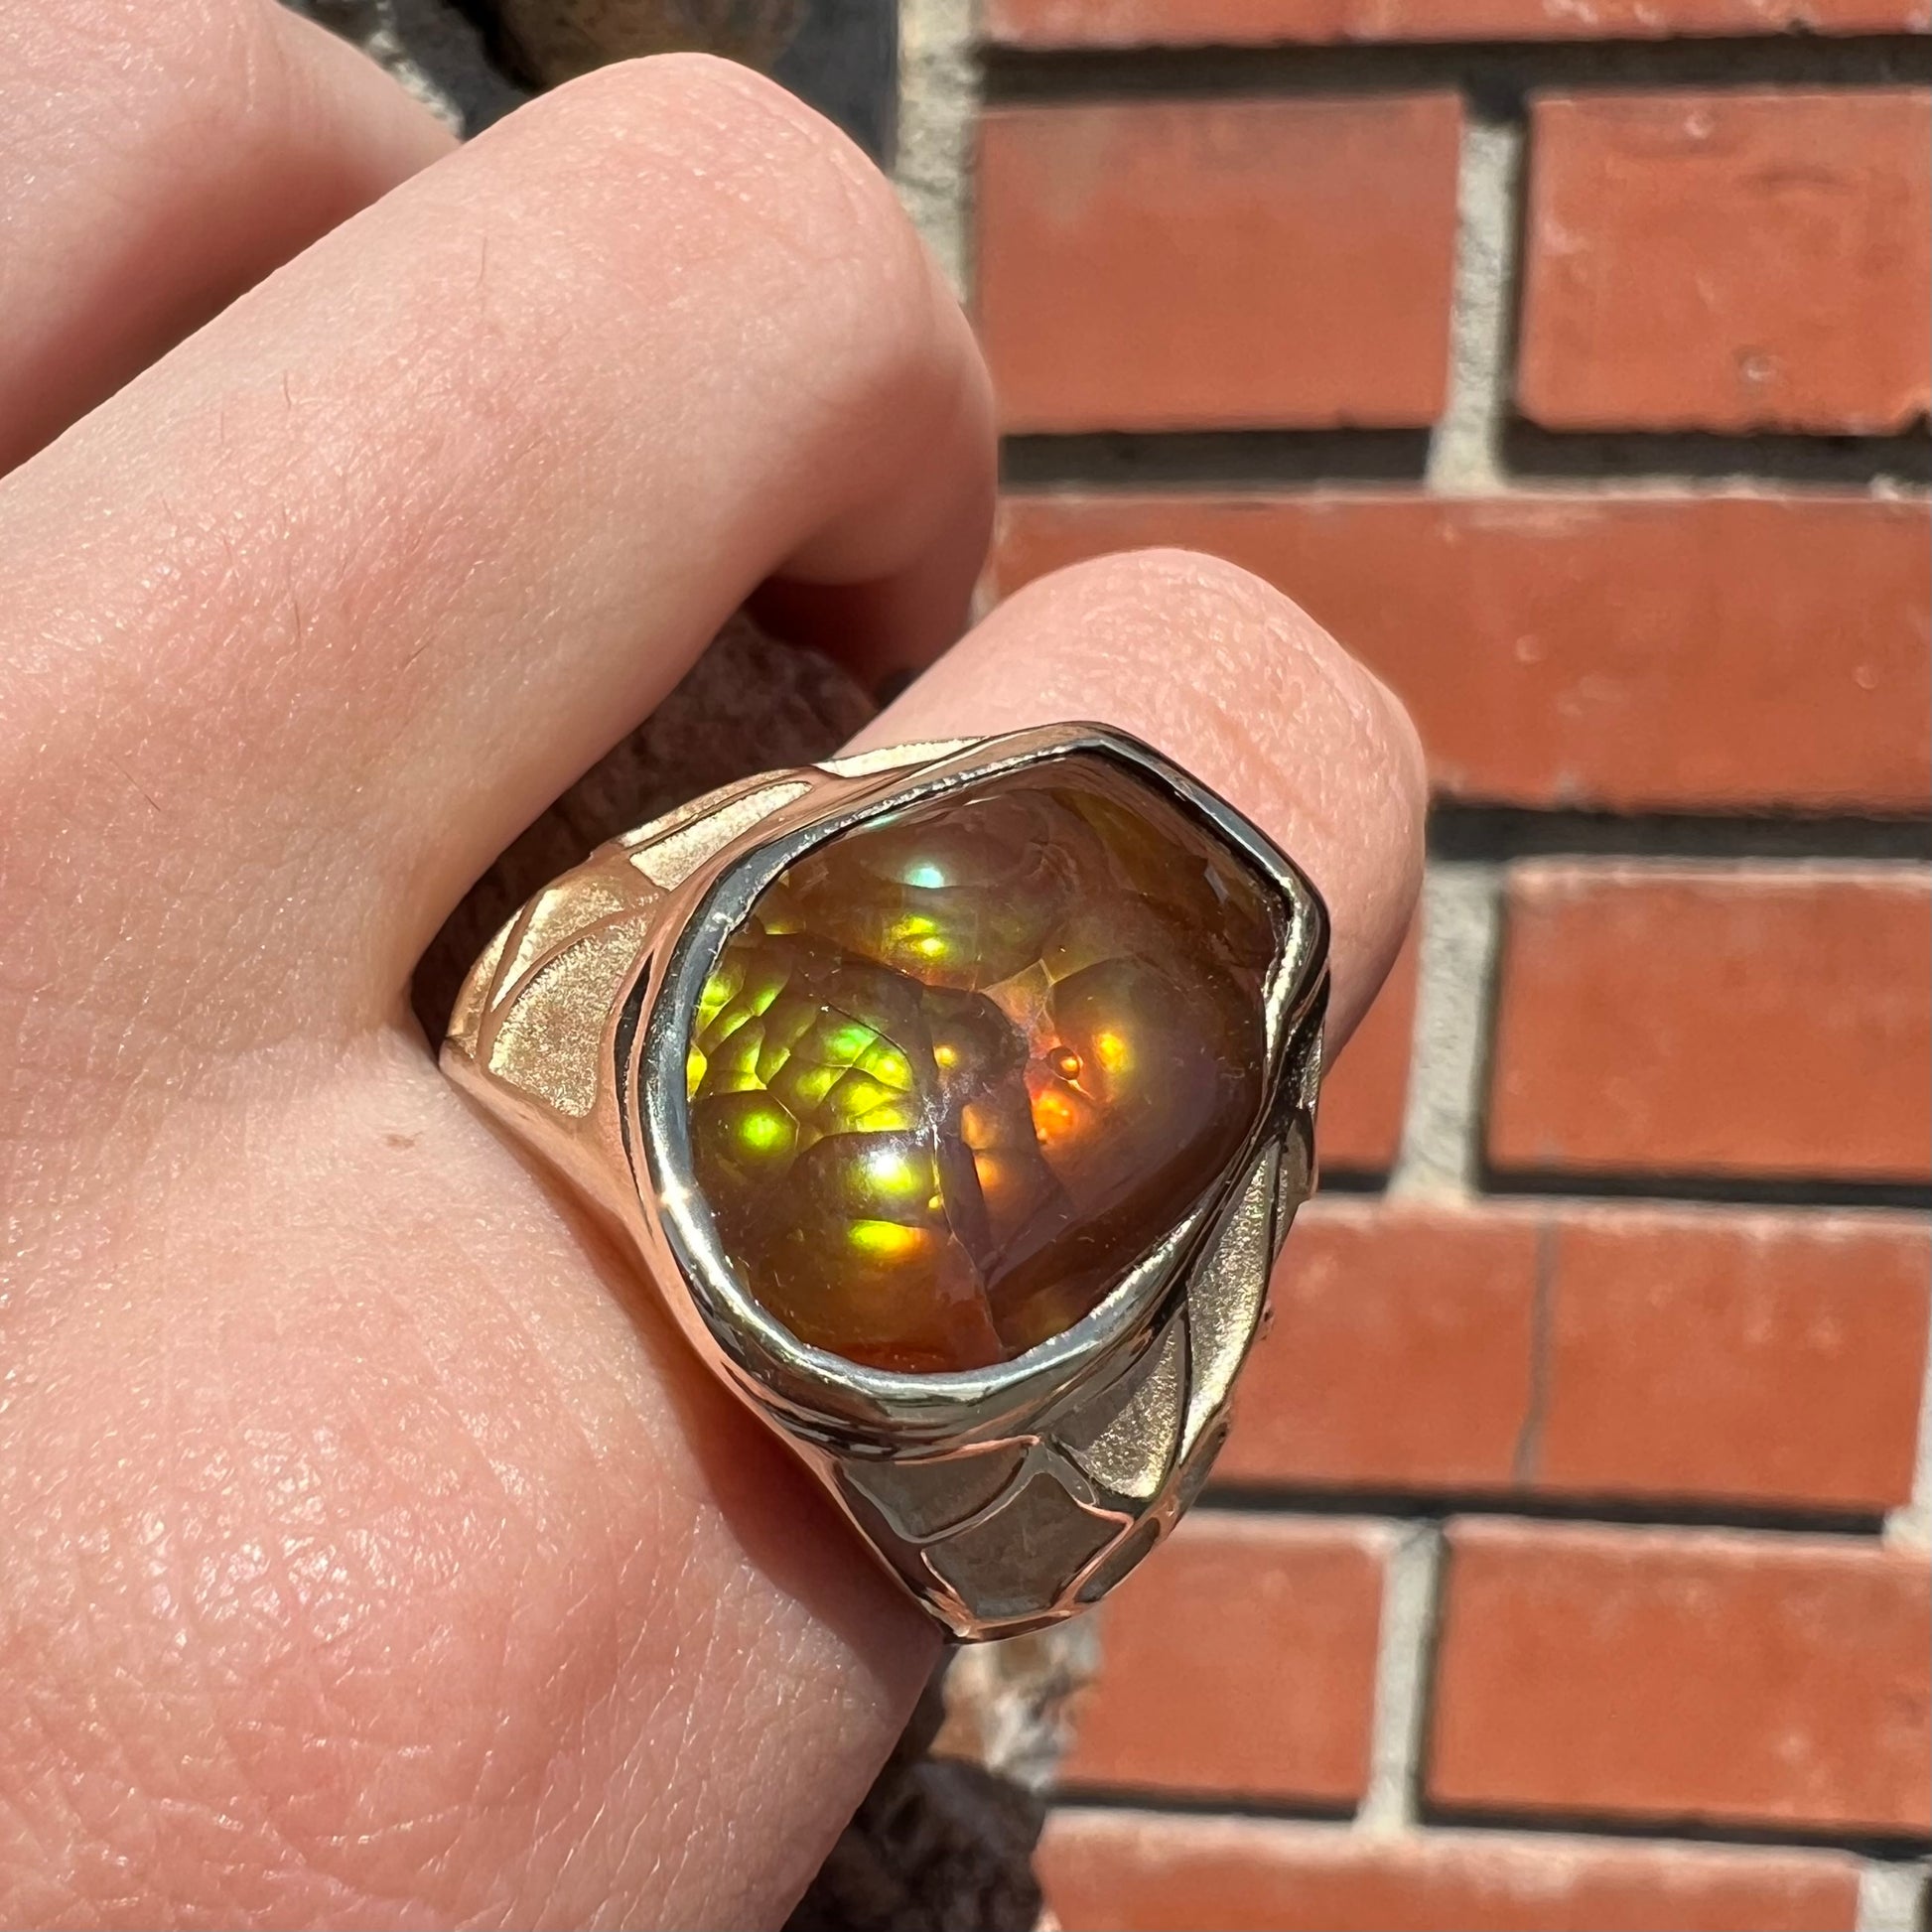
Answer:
[(1567, 1566)]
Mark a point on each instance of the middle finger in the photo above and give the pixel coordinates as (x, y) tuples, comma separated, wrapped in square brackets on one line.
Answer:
[(339, 595)]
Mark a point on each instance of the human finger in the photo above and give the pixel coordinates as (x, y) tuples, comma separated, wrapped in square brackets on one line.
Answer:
[(1239, 685), (154, 162), (450, 502)]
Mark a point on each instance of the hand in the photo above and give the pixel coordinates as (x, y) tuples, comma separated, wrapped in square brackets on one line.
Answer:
[(372, 1552)]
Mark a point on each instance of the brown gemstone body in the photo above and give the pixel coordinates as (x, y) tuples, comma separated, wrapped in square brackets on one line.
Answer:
[(965, 1064)]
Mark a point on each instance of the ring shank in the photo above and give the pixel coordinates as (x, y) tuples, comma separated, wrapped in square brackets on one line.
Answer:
[(1012, 1500)]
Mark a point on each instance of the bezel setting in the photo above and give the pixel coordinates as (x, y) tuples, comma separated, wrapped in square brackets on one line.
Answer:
[(1005, 1497)]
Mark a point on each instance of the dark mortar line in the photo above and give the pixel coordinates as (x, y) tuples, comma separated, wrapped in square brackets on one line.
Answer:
[(1502, 833), (1683, 1826), (1506, 1191), (1496, 80), (1561, 1190), (1713, 1191), (1665, 1827), (1536, 455), (1368, 1183), (1188, 1804), (1215, 459), (1534, 461), (1497, 76), (1528, 1452), (1438, 1506), (1488, 1029), (1519, 1191)]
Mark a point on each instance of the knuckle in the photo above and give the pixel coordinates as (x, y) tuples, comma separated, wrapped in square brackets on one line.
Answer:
[(1195, 577), (1252, 649), (717, 122), (762, 179), (163, 72), (1204, 597)]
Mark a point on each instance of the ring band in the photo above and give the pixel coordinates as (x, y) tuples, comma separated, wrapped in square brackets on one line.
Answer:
[(958, 1097)]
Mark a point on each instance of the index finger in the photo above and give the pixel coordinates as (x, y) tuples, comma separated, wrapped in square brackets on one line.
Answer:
[(354, 582)]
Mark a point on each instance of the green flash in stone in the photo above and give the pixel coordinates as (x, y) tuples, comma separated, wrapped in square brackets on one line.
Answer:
[(963, 1064)]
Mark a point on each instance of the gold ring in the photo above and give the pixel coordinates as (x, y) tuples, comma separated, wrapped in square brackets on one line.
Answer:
[(957, 1097)]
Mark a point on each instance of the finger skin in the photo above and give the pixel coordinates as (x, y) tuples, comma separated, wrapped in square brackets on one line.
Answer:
[(1237, 684), (385, 1560), (450, 502), (154, 161), (380, 1557), (374, 1531), (377, 1557)]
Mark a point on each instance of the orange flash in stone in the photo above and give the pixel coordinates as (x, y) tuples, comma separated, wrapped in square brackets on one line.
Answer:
[(964, 1064)]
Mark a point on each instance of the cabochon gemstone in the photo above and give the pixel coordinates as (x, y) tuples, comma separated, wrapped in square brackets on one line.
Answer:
[(962, 1065)]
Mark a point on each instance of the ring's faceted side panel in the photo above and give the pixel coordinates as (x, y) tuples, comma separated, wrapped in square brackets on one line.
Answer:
[(672, 859), (1131, 1456), (1002, 1566), (924, 1500), (1225, 1291), (964, 1064), (958, 1098), (529, 1037), (543, 1044), (1125, 1437)]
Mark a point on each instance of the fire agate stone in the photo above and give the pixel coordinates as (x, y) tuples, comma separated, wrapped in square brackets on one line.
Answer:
[(964, 1064)]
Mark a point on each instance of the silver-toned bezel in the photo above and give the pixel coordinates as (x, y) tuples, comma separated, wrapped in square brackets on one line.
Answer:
[(844, 1417)]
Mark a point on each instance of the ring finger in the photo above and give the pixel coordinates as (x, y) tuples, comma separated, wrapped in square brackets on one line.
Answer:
[(419, 583)]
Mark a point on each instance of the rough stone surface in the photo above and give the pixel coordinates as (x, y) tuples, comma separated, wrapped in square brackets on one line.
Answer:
[(1570, 650), (556, 39), (1241, 1664), (1668, 1355), (1709, 1676), (1686, 1020), (939, 94), (473, 63), (1129, 1873), (840, 55), (437, 53), (1364, 1094), (1068, 24)]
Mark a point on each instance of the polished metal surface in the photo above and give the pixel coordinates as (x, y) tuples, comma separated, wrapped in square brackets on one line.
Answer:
[(1005, 1497)]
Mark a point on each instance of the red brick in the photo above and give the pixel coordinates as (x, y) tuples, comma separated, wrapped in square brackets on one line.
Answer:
[(1711, 1022), (1117, 1871), (1691, 1355), (1398, 1356), (1218, 265), (1635, 654), (1693, 260), (1261, 23), (1771, 1358), (1680, 1675), (1241, 1663), (1364, 1091)]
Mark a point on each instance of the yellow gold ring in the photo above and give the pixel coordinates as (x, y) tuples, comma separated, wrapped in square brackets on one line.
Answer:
[(958, 1097)]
